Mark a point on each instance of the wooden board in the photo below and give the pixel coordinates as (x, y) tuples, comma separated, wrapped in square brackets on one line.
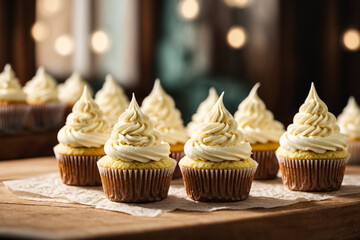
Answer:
[(335, 218)]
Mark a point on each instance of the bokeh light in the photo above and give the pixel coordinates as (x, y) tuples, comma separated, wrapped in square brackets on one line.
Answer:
[(236, 37), (64, 45), (189, 9), (39, 31), (351, 39), (100, 41)]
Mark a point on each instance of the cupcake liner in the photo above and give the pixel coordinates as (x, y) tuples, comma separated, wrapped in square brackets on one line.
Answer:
[(136, 186), (354, 150), (268, 164), (78, 170), (47, 116), (177, 156), (13, 117), (318, 175), (218, 185)]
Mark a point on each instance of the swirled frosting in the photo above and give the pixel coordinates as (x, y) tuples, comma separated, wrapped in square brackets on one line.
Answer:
[(349, 119), (313, 128), (111, 100), (70, 91), (10, 88), (255, 121), (203, 109), (160, 107), (219, 138), (41, 88), (134, 139), (85, 126)]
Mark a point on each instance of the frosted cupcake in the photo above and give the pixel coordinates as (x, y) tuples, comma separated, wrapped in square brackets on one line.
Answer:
[(111, 100), (203, 109), (217, 166), (349, 122), (46, 110), (81, 143), (262, 131), (312, 154), (13, 107), (70, 91), (160, 107), (137, 167)]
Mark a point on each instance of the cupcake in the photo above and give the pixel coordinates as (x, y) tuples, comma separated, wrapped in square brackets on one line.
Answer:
[(262, 131), (203, 109), (160, 107), (218, 166), (70, 91), (81, 143), (42, 95), (111, 100), (137, 167), (13, 107), (349, 122), (312, 154)]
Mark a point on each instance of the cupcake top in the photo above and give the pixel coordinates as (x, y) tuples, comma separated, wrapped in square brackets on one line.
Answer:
[(349, 119), (41, 88), (167, 119), (70, 91), (10, 88), (218, 139), (111, 100), (85, 126), (203, 109), (314, 128), (256, 122), (134, 139)]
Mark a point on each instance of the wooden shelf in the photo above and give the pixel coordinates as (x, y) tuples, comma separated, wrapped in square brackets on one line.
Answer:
[(334, 218)]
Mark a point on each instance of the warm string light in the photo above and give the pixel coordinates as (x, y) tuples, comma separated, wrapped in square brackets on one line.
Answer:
[(39, 31), (351, 39), (189, 9), (64, 45), (237, 3), (100, 41), (236, 37)]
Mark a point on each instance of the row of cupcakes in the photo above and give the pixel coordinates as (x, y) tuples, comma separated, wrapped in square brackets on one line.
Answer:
[(42, 104), (135, 165)]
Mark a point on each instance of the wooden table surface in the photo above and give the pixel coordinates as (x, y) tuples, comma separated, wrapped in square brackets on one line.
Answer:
[(337, 218)]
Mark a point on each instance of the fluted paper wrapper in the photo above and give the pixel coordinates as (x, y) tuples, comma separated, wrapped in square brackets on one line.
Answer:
[(268, 164), (354, 150), (318, 175), (13, 117), (46, 116), (78, 170), (136, 186), (218, 185), (177, 156)]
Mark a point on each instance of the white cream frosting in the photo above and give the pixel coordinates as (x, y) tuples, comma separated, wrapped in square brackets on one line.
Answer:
[(85, 126), (256, 122), (160, 107), (349, 119), (134, 139), (219, 138), (10, 88), (111, 100), (203, 109), (314, 128), (70, 91), (41, 88)]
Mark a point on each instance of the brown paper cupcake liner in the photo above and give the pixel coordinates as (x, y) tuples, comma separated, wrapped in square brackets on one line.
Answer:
[(354, 150), (268, 164), (319, 175), (47, 116), (177, 156), (136, 186), (218, 185), (13, 117), (78, 170)]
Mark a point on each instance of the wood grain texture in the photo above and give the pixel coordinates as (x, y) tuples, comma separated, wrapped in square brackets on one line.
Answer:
[(334, 218)]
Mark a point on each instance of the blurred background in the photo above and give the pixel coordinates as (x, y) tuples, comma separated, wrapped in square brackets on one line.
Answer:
[(192, 45)]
